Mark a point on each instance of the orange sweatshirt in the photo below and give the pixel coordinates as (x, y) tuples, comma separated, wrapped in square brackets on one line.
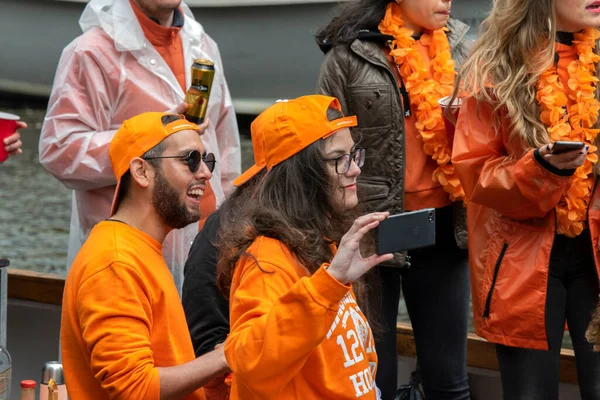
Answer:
[(421, 191), (121, 317), (167, 42), (296, 336)]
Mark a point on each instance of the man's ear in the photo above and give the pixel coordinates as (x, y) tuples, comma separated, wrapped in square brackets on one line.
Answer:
[(141, 172)]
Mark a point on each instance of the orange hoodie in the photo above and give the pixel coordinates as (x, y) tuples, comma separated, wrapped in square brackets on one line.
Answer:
[(296, 336), (121, 317)]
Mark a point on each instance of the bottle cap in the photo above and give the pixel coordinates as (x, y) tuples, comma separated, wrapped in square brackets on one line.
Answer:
[(28, 384), (53, 370)]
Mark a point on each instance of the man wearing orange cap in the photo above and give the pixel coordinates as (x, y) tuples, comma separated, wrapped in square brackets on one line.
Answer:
[(123, 329)]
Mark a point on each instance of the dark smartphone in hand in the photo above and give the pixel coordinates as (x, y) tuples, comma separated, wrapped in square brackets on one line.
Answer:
[(560, 146), (407, 231)]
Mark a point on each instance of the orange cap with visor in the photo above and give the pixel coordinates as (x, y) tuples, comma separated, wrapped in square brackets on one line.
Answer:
[(135, 137), (289, 126)]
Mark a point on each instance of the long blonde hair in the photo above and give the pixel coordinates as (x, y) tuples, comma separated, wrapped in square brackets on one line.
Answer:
[(516, 45)]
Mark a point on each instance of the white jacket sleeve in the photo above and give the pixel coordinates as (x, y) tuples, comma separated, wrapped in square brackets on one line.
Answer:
[(228, 139), (77, 128)]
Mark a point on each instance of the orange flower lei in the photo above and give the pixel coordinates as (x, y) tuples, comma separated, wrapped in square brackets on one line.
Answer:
[(424, 92), (573, 123)]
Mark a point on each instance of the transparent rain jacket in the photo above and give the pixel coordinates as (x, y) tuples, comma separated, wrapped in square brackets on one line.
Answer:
[(108, 74)]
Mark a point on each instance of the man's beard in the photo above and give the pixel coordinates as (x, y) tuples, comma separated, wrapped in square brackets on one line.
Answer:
[(166, 202)]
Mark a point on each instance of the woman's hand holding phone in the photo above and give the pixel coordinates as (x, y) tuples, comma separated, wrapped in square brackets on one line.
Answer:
[(570, 159), (348, 264)]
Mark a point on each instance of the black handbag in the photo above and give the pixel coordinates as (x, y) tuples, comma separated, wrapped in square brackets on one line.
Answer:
[(411, 391)]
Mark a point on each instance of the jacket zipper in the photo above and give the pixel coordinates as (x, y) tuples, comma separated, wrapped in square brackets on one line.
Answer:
[(488, 301), (405, 97), (551, 250)]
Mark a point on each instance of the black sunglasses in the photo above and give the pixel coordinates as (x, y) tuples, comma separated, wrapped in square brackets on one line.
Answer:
[(193, 160), (342, 163)]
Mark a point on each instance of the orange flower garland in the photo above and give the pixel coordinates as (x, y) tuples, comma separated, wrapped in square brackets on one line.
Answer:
[(424, 92), (574, 123)]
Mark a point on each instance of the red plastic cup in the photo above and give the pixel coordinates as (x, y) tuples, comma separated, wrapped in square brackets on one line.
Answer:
[(8, 125), (454, 108)]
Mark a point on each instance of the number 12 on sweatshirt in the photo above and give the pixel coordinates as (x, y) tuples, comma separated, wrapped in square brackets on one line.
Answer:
[(355, 340)]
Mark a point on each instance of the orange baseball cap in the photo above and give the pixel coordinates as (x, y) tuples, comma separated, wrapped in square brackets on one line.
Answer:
[(135, 137), (289, 126)]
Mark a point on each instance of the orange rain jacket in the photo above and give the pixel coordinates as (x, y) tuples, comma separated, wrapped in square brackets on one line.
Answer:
[(511, 226)]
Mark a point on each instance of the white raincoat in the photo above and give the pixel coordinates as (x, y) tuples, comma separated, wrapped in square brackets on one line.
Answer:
[(111, 73)]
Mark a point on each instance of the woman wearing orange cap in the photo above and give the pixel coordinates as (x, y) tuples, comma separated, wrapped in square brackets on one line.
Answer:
[(297, 330), (533, 214), (389, 62)]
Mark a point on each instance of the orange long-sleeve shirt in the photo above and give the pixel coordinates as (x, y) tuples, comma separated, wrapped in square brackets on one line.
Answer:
[(121, 317), (296, 336)]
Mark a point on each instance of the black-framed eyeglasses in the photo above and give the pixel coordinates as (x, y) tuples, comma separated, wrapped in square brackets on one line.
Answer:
[(342, 163), (193, 160)]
